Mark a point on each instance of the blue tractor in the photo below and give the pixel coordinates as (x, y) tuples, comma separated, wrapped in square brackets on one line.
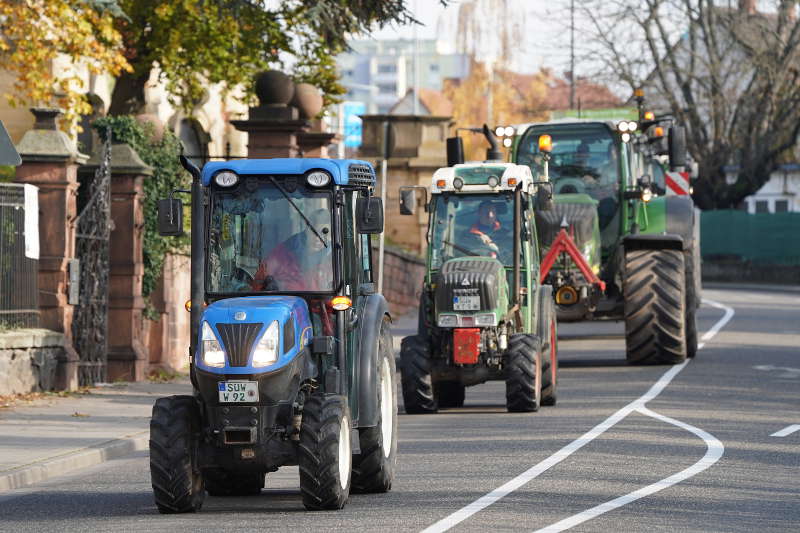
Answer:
[(291, 354)]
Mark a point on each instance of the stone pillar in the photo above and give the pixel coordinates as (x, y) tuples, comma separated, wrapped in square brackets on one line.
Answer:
[(273, 125), (50, 161), (127, 328), (419, 150)]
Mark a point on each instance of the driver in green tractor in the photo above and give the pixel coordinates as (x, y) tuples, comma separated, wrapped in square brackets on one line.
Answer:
[(489, 231)]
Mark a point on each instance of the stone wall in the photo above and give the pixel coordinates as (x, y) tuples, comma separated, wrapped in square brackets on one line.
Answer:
[(402, 279), (169, 336), (29, 359)]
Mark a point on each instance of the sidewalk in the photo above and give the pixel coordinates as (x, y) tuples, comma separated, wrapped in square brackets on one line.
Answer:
[(55, 435)]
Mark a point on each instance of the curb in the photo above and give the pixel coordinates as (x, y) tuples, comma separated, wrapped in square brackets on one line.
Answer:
[(23, 476)]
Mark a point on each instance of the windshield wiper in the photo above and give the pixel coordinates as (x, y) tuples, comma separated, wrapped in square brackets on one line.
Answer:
[(460, 249), (308, 222)]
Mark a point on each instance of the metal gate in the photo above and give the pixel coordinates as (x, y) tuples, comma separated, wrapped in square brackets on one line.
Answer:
[(93, 228)]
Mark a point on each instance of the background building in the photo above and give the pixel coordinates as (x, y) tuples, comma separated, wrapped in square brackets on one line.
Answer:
[(379, 73)]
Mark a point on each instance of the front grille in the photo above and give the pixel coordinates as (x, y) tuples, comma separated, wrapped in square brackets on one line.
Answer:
[(238, 339), (361, 174), (465, 277)]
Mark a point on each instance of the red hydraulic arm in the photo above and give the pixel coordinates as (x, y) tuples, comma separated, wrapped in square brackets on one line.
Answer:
[(564, 244)]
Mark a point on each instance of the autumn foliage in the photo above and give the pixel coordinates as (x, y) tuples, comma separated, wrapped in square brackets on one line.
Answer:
[(45, 44)]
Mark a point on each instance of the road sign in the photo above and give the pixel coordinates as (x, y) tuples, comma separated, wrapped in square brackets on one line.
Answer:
[(352, 123), (8, 154)]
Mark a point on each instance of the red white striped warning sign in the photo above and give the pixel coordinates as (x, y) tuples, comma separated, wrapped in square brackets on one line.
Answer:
[(677, 183)]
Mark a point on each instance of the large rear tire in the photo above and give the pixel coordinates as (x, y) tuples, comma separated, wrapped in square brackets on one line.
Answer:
[(654, 289), (221, 482), (415, 367), (450, 394), (374, 467), (326, 454), (177, 481), (550, 360), (523, 374), (692, 264)]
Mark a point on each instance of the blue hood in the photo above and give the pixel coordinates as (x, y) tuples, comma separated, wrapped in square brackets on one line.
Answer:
[(258, 310)]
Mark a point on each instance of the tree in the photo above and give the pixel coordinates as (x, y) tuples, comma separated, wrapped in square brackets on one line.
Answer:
[(516, 98), (34, 33), (730, 75), (197, 42)]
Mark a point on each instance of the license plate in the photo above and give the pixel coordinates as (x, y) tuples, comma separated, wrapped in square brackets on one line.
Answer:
[(466, 303), (238, 391)]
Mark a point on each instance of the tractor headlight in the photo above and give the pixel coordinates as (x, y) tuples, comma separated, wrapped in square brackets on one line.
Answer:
[(212, 353), (486, 319), (266, 352), (448, 321), (318, 178), (647, 194), (458, 184), (226, 178)]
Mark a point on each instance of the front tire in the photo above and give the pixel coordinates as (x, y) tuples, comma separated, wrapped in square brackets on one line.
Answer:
[(655, 317), (374, 467), (415, 367), (325, 456), (177, 481), (523, 374), (550, 361)]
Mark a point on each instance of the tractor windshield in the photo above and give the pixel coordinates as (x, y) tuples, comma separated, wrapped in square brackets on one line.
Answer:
[(472, 224), (259, 242), (584, 158)]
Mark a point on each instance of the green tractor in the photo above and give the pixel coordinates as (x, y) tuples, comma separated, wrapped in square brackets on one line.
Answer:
[(483, 313), (623, 238)]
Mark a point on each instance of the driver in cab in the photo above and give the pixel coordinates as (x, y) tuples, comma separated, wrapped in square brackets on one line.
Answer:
[(301, 262), (487, 228)]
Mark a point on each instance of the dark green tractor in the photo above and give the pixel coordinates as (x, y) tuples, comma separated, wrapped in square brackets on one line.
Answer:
[(622, 200)]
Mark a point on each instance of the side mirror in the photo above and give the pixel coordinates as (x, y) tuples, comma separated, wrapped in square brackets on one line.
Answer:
[(455, 151), (369, 215), (170, 217), (544, 196), (408, 201), (677, 148)]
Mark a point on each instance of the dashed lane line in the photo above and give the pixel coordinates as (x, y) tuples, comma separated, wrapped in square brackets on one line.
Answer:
[(788, 430), (541, 467)]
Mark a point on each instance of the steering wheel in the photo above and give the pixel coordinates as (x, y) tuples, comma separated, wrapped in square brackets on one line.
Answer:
[(569, 186)]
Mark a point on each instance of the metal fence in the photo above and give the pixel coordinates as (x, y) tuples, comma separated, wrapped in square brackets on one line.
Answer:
[(19, 287), (765, 238)]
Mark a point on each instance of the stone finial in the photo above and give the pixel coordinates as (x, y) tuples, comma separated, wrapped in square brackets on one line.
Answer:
[(307, 99), (274, 88), (45, 118), (45, 142)]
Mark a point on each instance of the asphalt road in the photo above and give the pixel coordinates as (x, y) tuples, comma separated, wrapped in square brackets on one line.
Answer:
[(672, 448)]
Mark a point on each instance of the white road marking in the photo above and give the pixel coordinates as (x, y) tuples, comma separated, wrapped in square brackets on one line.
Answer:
[(787, 372), (714, 450), (788, 430), (536, 470)]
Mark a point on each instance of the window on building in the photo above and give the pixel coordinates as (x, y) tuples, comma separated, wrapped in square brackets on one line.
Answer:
[(434, 68), (781, 206), (349, 73), (387, 88), (762, 206), (387, 69)]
